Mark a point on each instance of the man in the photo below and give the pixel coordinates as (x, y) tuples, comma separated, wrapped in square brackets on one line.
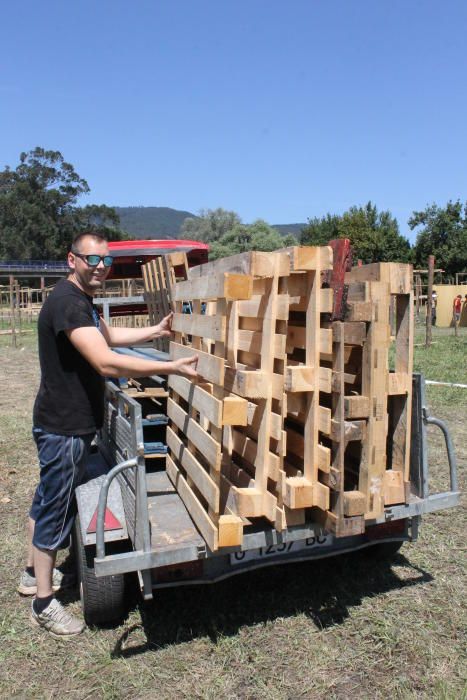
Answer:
[(75, 355)]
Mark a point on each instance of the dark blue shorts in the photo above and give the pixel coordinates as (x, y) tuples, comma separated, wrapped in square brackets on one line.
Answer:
[(62, 461)]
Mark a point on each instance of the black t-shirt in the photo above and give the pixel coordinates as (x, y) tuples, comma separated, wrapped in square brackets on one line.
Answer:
[(70, 400)]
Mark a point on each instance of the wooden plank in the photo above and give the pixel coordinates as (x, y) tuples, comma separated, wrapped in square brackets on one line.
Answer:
[(248, 384), (197, 398), (325, 379), (208, 447), (374, 386), (201, 519), (397, 275), (257, 264), (354, 333), (230, 530), (296, 446), (351, 379), (197, 473), (349, 431), (296, 339), (251, 341), (321, 496), (356, 407), (358, 291), (203, 326), (300, 378), (231, 410), (254, 420), (324, 458), (324, 420), (393, 487), (342, 527), (354, 503), (326, 297), (227, 286), (148, 393), (298, 492), (248, 449), (309, 257), (399, 383), (235, 411), (209, 367), (402, 404), (246, 502), (257, 307), (359, 311)]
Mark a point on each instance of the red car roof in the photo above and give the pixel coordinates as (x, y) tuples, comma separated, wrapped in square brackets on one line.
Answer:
[(153, 247)]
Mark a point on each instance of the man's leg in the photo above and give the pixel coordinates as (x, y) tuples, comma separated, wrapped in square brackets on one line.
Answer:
[(30, 559), (28, 581), (44, 563), (62, 461)]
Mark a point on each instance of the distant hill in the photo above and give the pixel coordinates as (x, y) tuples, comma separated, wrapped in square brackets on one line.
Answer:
[(294, 229), (164, 222), (152, 222)]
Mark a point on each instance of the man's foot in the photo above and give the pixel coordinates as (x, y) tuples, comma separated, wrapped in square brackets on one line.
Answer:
[(28, 584), (57, 620)]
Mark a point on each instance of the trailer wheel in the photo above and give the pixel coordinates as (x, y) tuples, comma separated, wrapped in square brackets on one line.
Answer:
[(103, 598), (384, 550)]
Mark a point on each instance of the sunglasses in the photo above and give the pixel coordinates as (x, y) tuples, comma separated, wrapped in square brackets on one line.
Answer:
[(94, 260)]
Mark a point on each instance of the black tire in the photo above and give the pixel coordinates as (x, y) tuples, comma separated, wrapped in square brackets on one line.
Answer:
[(384, 550), (103, 598)]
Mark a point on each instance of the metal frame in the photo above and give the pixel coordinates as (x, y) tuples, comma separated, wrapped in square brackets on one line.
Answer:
[(143, 559)]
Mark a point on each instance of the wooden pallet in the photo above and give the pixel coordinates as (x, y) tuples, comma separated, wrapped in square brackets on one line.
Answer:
[(159, 275), (200, 414), (293, 410), (386, 460)]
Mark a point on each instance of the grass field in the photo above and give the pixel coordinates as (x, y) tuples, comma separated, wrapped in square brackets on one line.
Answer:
[(346, 627)]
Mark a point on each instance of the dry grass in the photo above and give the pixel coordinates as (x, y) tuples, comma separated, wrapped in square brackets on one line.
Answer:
[(345, 628)]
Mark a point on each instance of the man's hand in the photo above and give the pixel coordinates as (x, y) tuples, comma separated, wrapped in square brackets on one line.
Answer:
[(186, 366), (164, 328)]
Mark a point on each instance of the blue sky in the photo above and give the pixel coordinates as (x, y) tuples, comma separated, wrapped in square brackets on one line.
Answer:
[(277, 110)]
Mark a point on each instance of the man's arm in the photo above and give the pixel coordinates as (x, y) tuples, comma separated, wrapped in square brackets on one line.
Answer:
[(123, 337), (92, 345)]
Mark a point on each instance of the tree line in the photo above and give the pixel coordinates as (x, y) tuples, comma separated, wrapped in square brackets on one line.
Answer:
[(39, 217)]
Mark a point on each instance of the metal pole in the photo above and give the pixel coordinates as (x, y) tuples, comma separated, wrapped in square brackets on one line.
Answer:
[(429, 300), (12, 310)]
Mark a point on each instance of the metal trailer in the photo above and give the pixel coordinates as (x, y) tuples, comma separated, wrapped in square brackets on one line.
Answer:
[(133, 521)]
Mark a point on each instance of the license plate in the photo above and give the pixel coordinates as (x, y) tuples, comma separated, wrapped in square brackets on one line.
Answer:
[(273, 550)]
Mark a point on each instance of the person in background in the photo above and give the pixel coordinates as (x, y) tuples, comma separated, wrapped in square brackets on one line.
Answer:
[(75, 355), (457, 309), (434, 302)]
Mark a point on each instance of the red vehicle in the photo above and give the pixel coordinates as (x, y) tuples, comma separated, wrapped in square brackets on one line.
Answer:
[(128, 258), (130, 255)]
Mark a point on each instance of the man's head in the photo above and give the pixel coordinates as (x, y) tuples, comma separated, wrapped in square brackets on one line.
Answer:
[(88, 272)]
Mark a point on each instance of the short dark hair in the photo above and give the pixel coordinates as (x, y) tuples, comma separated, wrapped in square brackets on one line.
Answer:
[(98, 237)]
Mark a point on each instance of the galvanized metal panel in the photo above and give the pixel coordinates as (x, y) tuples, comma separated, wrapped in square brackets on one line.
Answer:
[(171, 525), (87, 496)]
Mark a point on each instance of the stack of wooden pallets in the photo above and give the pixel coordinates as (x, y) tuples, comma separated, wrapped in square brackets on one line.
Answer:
[(293, 411), (159, 275)]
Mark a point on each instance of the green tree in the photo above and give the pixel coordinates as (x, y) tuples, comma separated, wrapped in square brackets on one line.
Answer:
[(210, 225), (374, 235), (256, 236), (38, 213), (442, 232)]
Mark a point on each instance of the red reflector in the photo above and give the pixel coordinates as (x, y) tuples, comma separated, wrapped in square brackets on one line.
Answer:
[(393, 528), (110, 522)]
